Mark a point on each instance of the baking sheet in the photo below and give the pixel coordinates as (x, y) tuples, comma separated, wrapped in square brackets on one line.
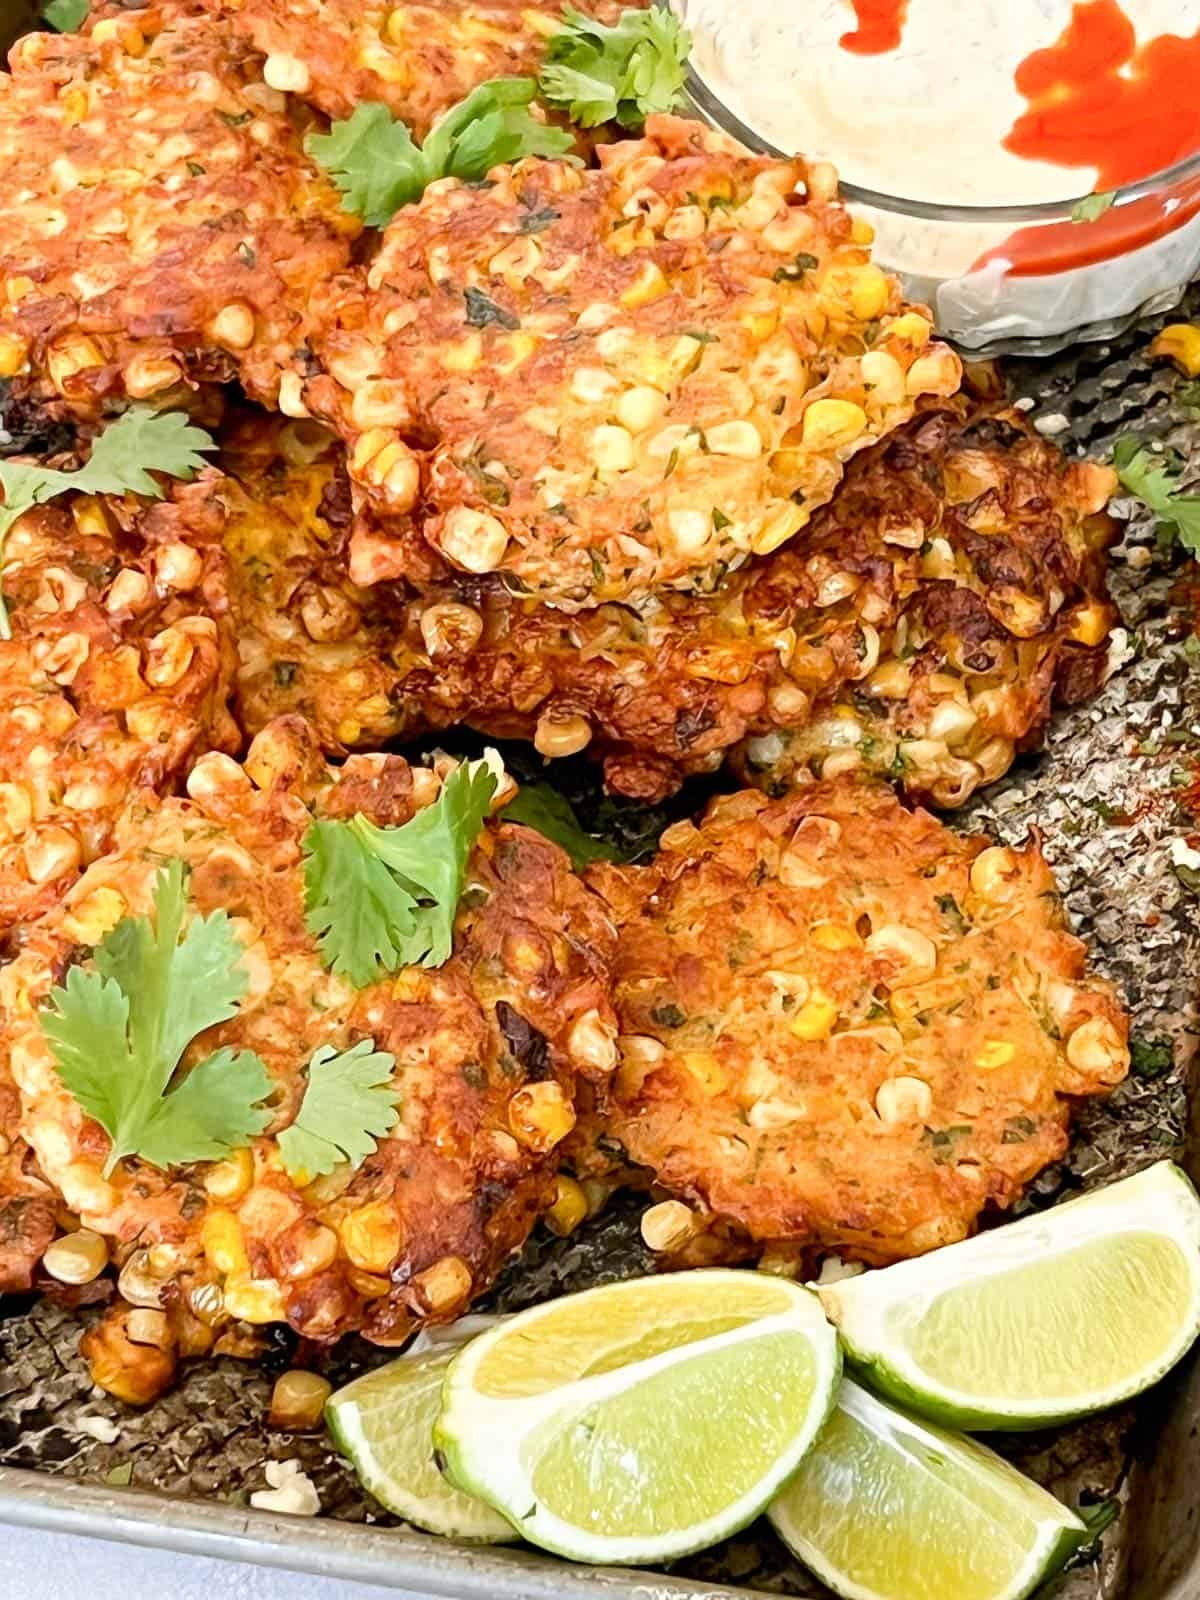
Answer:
[(1110, 793)]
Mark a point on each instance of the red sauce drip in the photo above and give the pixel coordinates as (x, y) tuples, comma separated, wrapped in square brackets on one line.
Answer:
[(1097, 100), (879, 25)]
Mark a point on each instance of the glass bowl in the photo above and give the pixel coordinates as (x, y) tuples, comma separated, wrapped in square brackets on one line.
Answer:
[(1022, 279)]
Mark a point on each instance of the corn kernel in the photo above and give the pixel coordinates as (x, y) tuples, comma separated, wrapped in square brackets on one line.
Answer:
[(912, 327), (640, 408), (1090, 625), (777, 527), (861, 231), (668, 1226), (832, 424), (833, 936), (995, 873), (473, 540), (14, 352), (371, 1236), (1180, 343), (556, 736), (741, 440), (870, 291), (223, 1243), (569, 1208), (903, 1100), (134, 1373), (649, 285), (540, 1115), (464, 356), (446, 1285), (910, 954), (995, 1053), (256, 1300), (94, 916), (815, 1018), (298, 1401), (77, 1258), (1097, 1048), (286, 73), (231, 1178), (708, 1072), (611, 448)]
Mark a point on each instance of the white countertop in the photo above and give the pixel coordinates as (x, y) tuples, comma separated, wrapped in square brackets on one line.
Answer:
[(59, 1566)]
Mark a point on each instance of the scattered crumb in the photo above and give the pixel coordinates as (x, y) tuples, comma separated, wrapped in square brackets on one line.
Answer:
[(103, 1429), (1054, 422), (292, 1491), (1119, 652), (834, 1270), (1182, 855)]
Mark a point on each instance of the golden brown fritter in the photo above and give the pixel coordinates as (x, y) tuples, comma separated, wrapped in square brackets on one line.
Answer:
[(487, 1049), (844, 1026), (161, 224), (919, 626), (622, 380), (117, 675), (417, 57)]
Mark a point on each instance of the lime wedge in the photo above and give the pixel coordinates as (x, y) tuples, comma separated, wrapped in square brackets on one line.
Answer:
[(642, 1420), (383, 1422), (888, 1508), (1040, 1321)]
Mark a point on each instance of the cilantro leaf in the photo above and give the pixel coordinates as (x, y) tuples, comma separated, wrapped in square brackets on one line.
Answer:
[(138, 443), (1154, 480), (350, 1102), (65, 16), (382, 898), (621, 73), (1092, 206), (118, 1033), (378, 166), (542, 808)]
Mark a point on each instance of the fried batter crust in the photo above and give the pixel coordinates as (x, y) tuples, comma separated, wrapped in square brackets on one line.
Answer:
[(845, 1026), (919, 625), (424, 1223), (418, 59), (162, 226), (600, 384), (118, 674)]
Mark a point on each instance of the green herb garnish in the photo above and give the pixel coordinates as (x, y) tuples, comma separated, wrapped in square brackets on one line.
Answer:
[(623, 73), (542, 808), (1154, 480), (1092, 206), (349, 1102)]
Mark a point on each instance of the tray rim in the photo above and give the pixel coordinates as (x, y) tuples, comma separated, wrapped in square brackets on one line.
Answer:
[(390, 1558)]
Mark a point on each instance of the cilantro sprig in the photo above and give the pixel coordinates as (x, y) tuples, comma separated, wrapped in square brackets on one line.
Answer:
[(349, 1102), (118, 1033), (66, 16), (1155, 481), (139, 443), (379, 167), (544, 809), (619, 73), (383, 898)]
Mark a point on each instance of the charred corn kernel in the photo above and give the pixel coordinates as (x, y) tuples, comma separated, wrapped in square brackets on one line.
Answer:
[(640, 408), (473, 540), (1097, 1048), (147, 375), (446, 1285), (450, 629), (912, 327), (207, 1302), (371, 1236), (14, 352), (540, 1115), (668, 1226), (291, 395), (464, 356), (216, 774), (821, 181), (51, 853), (995, 873), (168, 657), (91, 918), (1090, 625), (256, 1300), (570, 1206), (939, 371), (870, 291), (286, 73), (134, 1373), (145, 1325), (995, 1053), (611, 448), (815, 1018), (146, 1274), (832, 424), (1180, 343), (903, 1100), (834, 936), (777, 527), (224, 1245), (556, 736), (741, 440), (298, 1401), (233, 326), (178, 566), (884, 377), (950, 720), (231, 1178), (707, 1071), (592, 1043), (308, 1249), (650, 284), (80, 1257), (910, 954)]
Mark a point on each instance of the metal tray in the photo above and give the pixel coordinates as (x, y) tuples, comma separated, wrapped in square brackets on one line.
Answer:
[(1110, 794)]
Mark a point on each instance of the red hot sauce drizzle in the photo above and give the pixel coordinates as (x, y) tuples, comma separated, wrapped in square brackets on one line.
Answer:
[(879, 24)]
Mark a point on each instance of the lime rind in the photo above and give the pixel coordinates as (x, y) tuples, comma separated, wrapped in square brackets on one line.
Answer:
[(383, 1424), (490, 1444), (875, 1312), (968, 1486)]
